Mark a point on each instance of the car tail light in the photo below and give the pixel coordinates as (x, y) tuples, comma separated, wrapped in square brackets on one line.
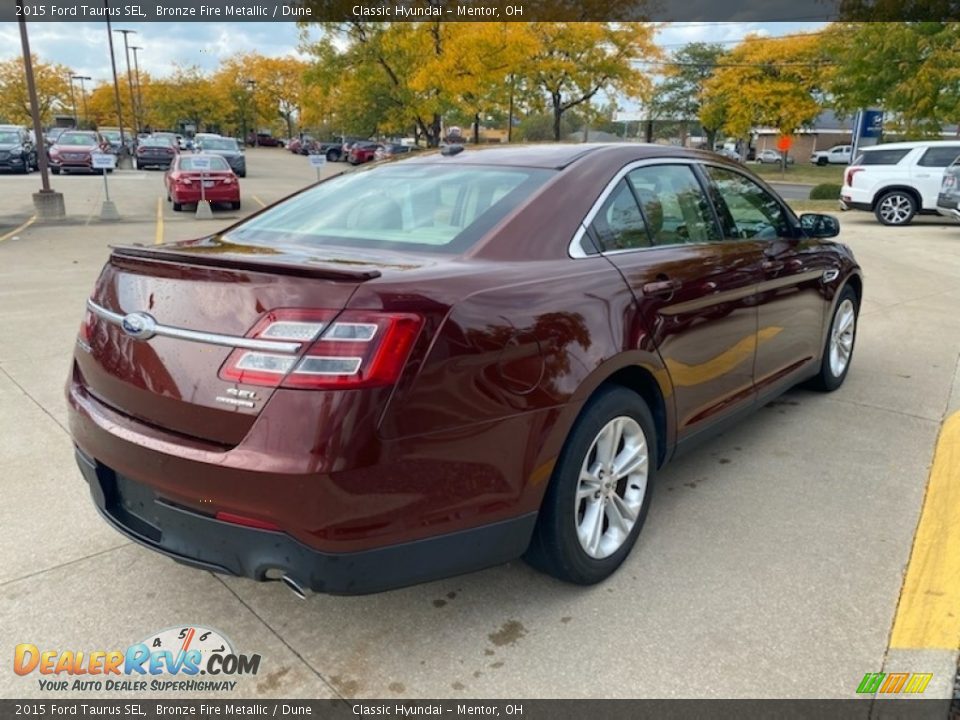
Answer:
[(355, 349), (184, 181), (86, 327), (848, 181), (229, 180)]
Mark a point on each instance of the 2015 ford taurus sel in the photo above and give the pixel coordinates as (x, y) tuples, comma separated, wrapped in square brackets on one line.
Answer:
[(448, 362)]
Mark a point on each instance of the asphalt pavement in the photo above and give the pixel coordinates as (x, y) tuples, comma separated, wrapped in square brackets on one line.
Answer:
[(771, 564)]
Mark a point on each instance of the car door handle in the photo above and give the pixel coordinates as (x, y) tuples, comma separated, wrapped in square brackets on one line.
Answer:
[(661, 287), (922, 175)]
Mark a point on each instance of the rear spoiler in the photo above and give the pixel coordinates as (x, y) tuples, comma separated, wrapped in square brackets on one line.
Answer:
[(263, 263)]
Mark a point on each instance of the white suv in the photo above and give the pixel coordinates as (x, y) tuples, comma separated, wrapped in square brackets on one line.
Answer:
[(837, 155), (897, 180)]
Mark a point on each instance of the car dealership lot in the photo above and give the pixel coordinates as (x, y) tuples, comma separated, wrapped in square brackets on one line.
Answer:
[(770, 565)]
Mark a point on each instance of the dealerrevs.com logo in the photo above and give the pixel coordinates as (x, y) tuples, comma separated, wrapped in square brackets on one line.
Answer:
[(170, 660)]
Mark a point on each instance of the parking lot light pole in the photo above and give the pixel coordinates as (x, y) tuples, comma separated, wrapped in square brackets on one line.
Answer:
[(73, 101), (136, 75), (252, 84), (133, 97), (116, 85), (83, 94), (48, 203)]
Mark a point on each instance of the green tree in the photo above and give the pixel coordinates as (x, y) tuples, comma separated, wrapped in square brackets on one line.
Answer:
[(909, 69), (576, 61), (680, 95)]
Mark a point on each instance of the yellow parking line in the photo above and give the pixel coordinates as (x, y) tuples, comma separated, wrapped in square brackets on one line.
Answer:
[(158, 238), (23, 227), (261, 202), (928, 615)]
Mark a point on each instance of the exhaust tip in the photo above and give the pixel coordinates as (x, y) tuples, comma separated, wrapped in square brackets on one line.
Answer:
[(294, 587)]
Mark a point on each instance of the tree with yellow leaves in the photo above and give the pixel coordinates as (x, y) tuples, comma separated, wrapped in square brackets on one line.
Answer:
[(575, 61), (53, 90), (771, 82)]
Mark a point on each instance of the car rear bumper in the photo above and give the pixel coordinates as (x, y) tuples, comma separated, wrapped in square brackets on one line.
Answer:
[(950, 212), (214, 194), (205, 542)]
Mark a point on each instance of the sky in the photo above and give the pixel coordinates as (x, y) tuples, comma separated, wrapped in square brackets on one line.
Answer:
[(83, 45)]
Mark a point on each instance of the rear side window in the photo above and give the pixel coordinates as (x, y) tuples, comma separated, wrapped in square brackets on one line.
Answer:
[(939, 156), (674, 205), (881, 157), (402, 207), (619, 224)]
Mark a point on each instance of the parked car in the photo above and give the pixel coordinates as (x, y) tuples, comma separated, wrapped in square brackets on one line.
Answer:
[(229, 150), (155, 152), (17, 151), (187, 183), (729, 154), (774, 157), (948, 200), (837, 155), (450, 362), (295, 144), (361, 152), (264, 140), (113, 138), (389, 150), (896, 181), (53, 133), (73, 151)]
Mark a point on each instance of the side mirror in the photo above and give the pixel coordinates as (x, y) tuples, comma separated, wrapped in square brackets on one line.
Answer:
[(815, 225)]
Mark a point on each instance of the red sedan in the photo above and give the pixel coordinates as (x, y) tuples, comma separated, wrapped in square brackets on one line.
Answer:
[(193, 177), (445, 363), (362, 152)]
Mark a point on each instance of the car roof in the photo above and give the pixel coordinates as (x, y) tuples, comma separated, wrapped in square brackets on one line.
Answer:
[(556, 155), (909, 145)]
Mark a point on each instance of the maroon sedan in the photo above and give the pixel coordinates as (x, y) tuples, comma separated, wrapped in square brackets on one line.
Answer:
[(434, 366), (194, 177), (73, 151)]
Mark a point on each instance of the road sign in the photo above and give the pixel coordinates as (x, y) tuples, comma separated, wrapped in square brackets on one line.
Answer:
[(103, 161), (317, 161), (200, 162), (784, 143)]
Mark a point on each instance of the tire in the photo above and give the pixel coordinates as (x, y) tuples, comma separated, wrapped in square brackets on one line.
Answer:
[(896, 207), (838, 349), (822, 161), (556, 547), (55, 170), (332, 156), (235, 205), (177, 207)]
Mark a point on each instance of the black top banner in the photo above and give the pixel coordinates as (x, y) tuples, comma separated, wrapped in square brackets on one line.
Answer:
[(477, 10)]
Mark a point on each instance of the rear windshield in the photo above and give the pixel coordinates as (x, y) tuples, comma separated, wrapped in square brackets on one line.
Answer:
[(218, 144), (9, 137), (881, 157), (216, 163), (398, 207)]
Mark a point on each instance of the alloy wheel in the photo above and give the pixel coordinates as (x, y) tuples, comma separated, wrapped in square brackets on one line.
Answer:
[(841, 337), (896, 209), (612, 486)]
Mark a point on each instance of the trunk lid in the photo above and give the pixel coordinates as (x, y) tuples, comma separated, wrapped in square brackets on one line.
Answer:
[(206, 287)]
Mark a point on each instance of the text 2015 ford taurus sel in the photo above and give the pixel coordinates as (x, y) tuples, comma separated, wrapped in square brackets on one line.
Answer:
[(448, 362)]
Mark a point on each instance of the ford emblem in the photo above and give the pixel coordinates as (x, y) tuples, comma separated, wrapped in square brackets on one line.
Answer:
[(139, 325)]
